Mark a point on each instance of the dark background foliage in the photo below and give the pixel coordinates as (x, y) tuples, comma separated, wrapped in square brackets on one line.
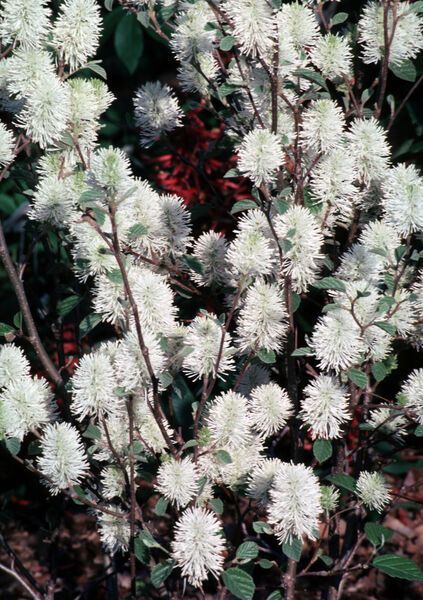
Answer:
[(52, 534)]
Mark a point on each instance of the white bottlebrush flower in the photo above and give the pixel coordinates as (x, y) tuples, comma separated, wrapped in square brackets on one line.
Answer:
[(63, 460), (359, 263), (260, 156), (299, 24), (141, 212), (294, 505), (336, 341), (332, 56), (7, 144), (407, 39), (110, 169), (203, 338), (378, 237), (412, 390), (93, 388), (404, 317), (367, 144), (192, 37), (402, 199), (253, 26), (89, 98), (243, 459), (114, 530), (332, 183), (329, 498), (325, 407), (251, 254), (299, 229), (270, 408), (229, 420), (46, 110), (373, 490), (91, 253), (322, 125), (210, 251), (25, 404), (198, 545), (262, 321), (388, 421), (76, 31), (14, 365), (177, 480), (117, 429), (261, 480), (112, 482), (25, 68), (131, 368), (24, 21), (176, 224), (196, 77), (54, 201), (156, 111)]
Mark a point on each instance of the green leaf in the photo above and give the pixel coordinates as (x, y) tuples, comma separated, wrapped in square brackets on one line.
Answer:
[(293, 550), (267, 356), (418, 431), (339, 18), (357, 377), (385, 304), (322, 450), (161, 572), (377, 534), (141, 551), (96, 68), (417, 6), (129, 41), (4, 328), (108, 4), (343, 481), (148, 540), (88, 323), (330, 283), (193, 263), (226, 89), (398, 566), (265, 564), (406, 70), (13, 445), (276, 595), (232, 173), (304, 351), (115, 276), (137, 230), (243, 205), (311, 76), (239, 583), (223, 457), (388, 327), (280, 205), (67, 305), (227, 43), (247, 551), (189, 444), (262, 527), (217, 505), (161, 506), (92, 432), (295, 301), (327, 560), (379, 371)]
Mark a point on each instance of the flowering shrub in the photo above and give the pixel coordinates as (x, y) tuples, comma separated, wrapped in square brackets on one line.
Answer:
[(240, 376)]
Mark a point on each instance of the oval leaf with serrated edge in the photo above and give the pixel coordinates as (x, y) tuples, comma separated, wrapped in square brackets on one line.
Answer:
[(322, 450), (358, 377), (276, 595), (293, 550), (226, 43), (377, 534), (343, 481), (330, 283), (239, 583), (223, 457), (161, 572), (4, 328), (243, 205), (247, 551), (13, 445), (406, 70), (129, 41), (398, 566)]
